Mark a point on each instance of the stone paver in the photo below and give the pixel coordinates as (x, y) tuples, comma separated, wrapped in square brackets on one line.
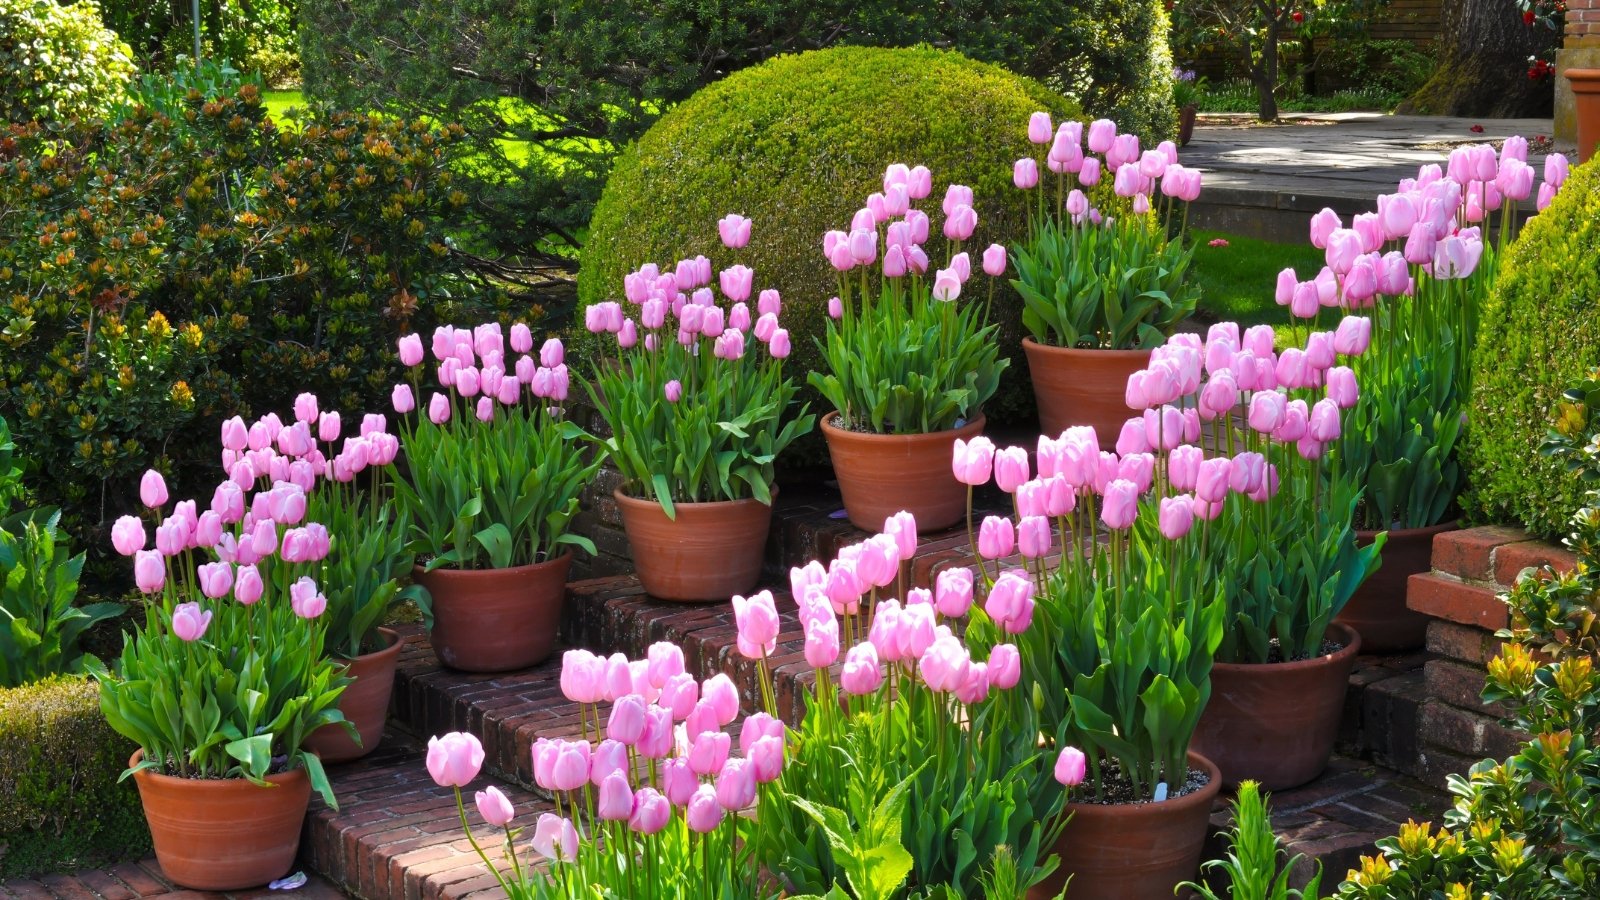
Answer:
[(131, 880)]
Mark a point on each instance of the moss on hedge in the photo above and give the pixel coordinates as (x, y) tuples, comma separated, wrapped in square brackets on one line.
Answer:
[(61, 806), (1538, 336), (797, 144)]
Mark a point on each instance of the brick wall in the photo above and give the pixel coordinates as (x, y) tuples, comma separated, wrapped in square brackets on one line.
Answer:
[(1453, 728), (1583, 23)]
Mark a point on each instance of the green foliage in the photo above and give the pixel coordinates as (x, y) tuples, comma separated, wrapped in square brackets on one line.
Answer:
[(795, 144), (496, 494), (1538, 335), (1528, 826), (907, 363), (552, 92), (1231, 277), (1121, 287), (58, 62), (865, 841), (183, 268), (1253, 867), (60, 801), (367, 560), (10, 470), (39, 626), (260, 35)]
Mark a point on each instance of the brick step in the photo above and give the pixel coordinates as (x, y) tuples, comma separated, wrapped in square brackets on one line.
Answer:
[(397, 835)]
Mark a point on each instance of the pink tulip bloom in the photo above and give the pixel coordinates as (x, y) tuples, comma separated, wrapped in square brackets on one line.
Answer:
[(555, 838), (153, 489), (1212, 482), (1342, 388), (953, 592), (862, 673), (189, 623), (997, 537), (615, 801), (651, 812), (304, 598), (1034, 536), (972, 461), (719, 691), (1324, 224), (1295, 421), (1353, 335), (247, 585), (708, 753), (1323, 425), (1010, 602), (1102, 132), (454, 759), (128, 536), (1025, 173), (734, 230), (757, 621), (736, 785), (704, 813), (1040, 128), (149, 570), (494, 807), (1134, 437), (1071, 765), (1120, 505)]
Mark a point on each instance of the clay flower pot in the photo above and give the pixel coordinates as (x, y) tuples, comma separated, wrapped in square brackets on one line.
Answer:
[(1586, 97), (223, 834), (1186, 117), (882, 474), (1377, 610), (711, 551), (1134, 851), (365, 703), (1276, 722), (496, 620), (1082, 387)]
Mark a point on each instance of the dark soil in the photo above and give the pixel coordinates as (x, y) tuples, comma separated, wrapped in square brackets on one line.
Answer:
[(1116, 789), (1328, 648)]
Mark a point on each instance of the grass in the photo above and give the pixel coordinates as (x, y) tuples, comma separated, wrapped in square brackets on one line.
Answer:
[(279, 102), (1237, 282)]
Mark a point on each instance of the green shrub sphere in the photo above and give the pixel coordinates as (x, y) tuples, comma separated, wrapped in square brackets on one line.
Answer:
[(58, 63), (1539, 334), (796, 144)]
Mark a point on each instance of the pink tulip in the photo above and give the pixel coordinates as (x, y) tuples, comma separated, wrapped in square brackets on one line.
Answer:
[(569, 770), (757, 621), (708, 753), (665, 660), (1139, 468), (651, 812), (835, 308), (582, 676), (736, 785), (1033, 536), (723, 697), (615, 801), (216, 579), (1266, 411), (1004, 667), (1176, 516), (1071, 765), (975, 687), (972, 461), (1010, 601), (1342, 388), (1025, 173), (555, 838), (1323, 424), (944, 665), (1040, 129), (1121, 504), (953, 592), (149, 570), (627, 720), (153, 490), (1102, 132), (822, 642), (704, 813), (439, 409), (997, 537), (494, 807), (189, 623), (1211, 485), (235, 435), (1420, 244), (779, 346), (454, 759), (247, 585), (766, 759), (1295, 420), (304, 598), (862, 673), (128, 536)]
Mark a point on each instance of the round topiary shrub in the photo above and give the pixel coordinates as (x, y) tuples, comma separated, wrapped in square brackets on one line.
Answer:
[(58, 62), (797, 144), (1539, 335)]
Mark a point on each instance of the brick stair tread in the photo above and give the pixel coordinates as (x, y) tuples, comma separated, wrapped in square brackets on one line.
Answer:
[(397, 835)]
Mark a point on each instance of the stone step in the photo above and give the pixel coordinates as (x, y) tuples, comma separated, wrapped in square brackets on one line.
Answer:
[(397, 835)]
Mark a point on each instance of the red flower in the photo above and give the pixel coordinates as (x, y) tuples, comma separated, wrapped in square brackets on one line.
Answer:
[(1298, 16), (1527, 17), (1476, 129)]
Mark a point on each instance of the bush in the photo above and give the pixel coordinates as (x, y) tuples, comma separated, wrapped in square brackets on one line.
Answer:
[(797, 144), (185, 268), (61, 807), (1539, 334), (259, 35), (58, 62), (551, 90)]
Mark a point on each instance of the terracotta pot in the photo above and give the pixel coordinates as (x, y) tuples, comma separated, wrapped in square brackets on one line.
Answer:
[(1586, 101), (1134, 851), (365, 703), (223, 834), (1276, 722), (496, 620), (1082, 387), (881, 474), (711, 551), (1186, 118), (1378, 608)]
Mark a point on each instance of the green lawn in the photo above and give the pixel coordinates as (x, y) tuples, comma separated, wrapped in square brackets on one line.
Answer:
[(278, 103), (1237, 282)]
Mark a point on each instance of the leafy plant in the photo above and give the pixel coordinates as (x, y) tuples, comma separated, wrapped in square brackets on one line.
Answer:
[(865, 842), (365, 565), (39, 626), (58, 62), (1254, 856), (493, 484)]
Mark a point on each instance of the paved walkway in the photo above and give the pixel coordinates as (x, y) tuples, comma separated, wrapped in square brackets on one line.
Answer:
[(136, 880), (1357, 155)]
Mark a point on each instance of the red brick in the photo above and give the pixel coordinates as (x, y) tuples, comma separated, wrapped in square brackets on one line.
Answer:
[(1459, 685), (137, 878), (1462, 642), (1466, 553), (24, 889), (106, 885), (67, 887), (1511, 559), (1467, 733), (1467, 604)]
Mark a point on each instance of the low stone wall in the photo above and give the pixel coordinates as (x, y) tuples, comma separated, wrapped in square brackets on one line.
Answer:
[(1439, 725)]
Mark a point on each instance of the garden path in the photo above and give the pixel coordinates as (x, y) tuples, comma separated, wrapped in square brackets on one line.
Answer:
[(137, 880), (1264, 181)]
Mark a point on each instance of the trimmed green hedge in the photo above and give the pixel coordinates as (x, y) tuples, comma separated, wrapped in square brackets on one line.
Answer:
[(61, 806), (797, 144), (1539, 335), (58, 62)]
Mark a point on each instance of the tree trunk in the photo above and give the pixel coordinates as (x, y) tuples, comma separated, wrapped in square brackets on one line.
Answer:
[(1265, 74), (1483, 65)]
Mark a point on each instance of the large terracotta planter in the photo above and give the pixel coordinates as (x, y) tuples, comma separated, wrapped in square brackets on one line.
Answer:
[(1082, 387), (1275, 723), (1378, 608), (1186, 117), (882, 474), (1134, 851), (365, 703), (224, 834), (711, 551), (496, 620), (1586, 97)]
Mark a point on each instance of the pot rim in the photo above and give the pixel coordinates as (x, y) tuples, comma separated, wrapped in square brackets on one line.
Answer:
[(973, 426), (1352, 647), (392, 648), (417, 569), (630, 500), (1363, 534), (1029, 344), (278, 778), (1206, 794)]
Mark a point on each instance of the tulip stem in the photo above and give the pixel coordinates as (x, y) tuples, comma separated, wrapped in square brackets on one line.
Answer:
[(461, 809)]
